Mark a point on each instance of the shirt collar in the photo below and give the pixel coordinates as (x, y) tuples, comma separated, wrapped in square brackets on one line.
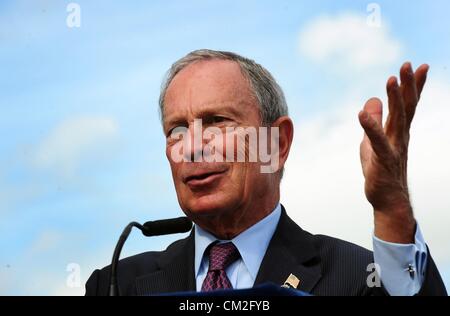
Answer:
[(251, 243)]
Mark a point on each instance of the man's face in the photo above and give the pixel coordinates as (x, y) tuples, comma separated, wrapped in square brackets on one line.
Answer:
[(216, 92)]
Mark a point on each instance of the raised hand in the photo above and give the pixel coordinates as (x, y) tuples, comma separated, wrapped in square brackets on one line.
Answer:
[(384, 155)]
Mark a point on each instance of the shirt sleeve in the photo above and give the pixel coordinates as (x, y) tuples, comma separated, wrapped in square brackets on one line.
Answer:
[(401, 266)]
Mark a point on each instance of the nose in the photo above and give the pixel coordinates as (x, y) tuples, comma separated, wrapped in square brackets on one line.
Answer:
[(194, 144)]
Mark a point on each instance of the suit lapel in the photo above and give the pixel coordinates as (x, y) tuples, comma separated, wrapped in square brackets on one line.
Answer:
[(175, 271), (290, 251)]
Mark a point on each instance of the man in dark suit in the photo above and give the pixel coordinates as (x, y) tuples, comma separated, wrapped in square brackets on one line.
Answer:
[(243, 236)]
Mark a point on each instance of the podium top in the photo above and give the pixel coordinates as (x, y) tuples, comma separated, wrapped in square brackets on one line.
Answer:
[(263, 290)]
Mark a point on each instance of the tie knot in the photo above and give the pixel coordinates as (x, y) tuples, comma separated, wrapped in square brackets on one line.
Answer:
[(222, 255)]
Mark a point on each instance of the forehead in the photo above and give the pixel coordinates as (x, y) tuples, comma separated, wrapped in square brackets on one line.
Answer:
[(205, 85)]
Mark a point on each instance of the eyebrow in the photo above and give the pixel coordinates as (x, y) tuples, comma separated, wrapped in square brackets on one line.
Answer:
[(211, 109)]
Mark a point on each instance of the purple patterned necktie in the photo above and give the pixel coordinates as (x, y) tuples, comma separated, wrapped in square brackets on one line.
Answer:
[(220, 257)]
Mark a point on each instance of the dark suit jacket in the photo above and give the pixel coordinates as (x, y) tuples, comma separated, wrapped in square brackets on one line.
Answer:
[(324, 266)]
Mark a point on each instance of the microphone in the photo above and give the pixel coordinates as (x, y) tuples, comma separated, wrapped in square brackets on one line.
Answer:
[(167, 226), (151, 228)]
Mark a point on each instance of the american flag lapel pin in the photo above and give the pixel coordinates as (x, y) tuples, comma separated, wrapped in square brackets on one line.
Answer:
[(291, 282)]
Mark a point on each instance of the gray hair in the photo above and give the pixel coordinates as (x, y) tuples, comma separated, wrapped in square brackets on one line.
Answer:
[(270, 97)]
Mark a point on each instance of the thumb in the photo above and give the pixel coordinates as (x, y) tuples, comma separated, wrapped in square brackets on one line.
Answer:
[(374, 108)]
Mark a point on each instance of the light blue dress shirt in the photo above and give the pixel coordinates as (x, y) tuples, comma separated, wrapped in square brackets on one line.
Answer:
[(252, 245), (401, 266)]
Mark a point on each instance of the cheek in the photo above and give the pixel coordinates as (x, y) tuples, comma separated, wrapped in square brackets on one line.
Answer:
[(249, 176), (173, 165), (238, 176), (175, 168)]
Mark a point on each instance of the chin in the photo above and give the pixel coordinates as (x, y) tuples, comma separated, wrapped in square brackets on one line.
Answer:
[(208, 205)]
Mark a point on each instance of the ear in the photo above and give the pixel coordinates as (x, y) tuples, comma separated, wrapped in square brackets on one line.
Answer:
[(286, 135)]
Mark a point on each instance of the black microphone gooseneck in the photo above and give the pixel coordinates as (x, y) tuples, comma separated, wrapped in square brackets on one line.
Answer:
[(152, 228)]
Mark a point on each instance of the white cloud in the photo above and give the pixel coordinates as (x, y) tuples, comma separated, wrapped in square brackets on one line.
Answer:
[(347, 41), (73, 141), (323, 184), (323, 188)]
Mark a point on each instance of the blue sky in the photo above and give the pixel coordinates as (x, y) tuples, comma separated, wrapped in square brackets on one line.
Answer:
[(82, 152)]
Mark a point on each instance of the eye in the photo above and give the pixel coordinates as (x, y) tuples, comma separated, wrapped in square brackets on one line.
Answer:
[(180, 129), (216, 119)]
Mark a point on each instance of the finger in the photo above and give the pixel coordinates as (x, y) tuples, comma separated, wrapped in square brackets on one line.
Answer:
[(375, 109), (421, 77), (374, 132), (408, 91), (395, 125)]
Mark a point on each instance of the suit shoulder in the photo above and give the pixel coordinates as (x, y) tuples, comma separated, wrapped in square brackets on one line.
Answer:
[(323, 244), (130, 268), (342, 248), (328, 242)]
